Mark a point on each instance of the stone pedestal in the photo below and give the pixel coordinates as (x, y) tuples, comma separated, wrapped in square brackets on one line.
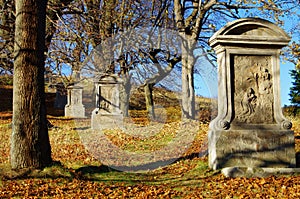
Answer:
[(107, 114), (74, 107), (252, 148), (250, 129)]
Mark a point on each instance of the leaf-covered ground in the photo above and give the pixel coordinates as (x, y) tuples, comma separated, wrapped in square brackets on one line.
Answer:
[(76, 174)]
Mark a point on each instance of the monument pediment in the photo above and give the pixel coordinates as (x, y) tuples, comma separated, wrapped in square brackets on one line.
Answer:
[(250, 31)]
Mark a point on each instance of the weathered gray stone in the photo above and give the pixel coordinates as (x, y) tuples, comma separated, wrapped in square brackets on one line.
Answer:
[(250, 129), (107, 113), (74, 107), (250, 172), (252, 148)]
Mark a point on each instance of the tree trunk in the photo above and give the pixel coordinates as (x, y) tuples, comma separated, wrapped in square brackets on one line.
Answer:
[(30, 146), (188, 92), (125, 95), (150, 82), (148, 88), (107, 31)]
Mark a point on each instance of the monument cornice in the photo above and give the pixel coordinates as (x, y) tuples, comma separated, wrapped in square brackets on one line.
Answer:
[(232, 40)]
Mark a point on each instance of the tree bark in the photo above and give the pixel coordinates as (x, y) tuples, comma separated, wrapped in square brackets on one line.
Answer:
[(30, 146), (189, 27), (148, 88), (160, 75), (188, 91)]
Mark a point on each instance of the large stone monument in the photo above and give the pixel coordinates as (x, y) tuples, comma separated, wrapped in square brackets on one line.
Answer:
[(107, 113), (250, 129), (74, 107)]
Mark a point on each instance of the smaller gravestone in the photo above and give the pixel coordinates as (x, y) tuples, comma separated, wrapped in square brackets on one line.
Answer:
[(250, 129), (74, 107), (60, 96), (107, 114)]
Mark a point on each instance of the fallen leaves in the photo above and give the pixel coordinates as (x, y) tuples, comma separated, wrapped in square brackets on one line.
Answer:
[(188, 177), (74, 188)]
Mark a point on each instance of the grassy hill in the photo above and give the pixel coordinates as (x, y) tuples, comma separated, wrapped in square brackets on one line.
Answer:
[(163, 98)]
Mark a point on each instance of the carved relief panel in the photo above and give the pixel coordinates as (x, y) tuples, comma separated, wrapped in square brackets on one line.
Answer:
[(253, 89), (109, 98)]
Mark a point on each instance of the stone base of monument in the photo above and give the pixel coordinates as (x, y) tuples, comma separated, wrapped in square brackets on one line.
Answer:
[(102, 120), (249, 172), (75, 111), (251, 148)]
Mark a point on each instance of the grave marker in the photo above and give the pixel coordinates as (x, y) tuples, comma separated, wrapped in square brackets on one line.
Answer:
[(74, 107), (250, 129), (107, 113)]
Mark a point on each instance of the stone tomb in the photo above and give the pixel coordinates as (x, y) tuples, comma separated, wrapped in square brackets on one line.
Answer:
[(74, 107), (107, 114), (250, 129)]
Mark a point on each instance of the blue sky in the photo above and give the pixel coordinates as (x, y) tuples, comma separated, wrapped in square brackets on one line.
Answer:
[(285, 82), (290, 26)]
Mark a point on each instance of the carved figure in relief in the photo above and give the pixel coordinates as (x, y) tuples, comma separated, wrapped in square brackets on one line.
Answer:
[(265, 84), (265, 95), (249, 102)]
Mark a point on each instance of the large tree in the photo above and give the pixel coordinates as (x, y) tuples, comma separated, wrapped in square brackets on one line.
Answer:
[(30, 147), (55, 9)]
